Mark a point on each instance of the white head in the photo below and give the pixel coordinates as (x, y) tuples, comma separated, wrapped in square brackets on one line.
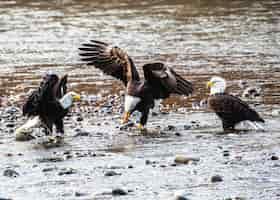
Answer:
[(216, 85), (130, 104), (68, 99)]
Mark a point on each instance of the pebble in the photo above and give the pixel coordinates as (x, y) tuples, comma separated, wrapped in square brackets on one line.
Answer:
[(216, 178), (112, 173), (10, 173), (79, 119), (10, 125), (67, 171), (49, 169), (170, 128), (51, 159), (80, 194), (178, 134), (180, 195), (119, 192), (27, 136), (82, 133), (274, 157), (225, 153), (187, 127), (185, 160)]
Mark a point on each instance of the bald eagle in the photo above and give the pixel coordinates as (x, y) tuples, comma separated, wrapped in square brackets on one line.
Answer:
[(160, 80), (230, 109), (49, 104)]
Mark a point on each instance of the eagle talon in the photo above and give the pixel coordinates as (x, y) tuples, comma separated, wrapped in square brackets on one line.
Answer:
[(140, 127)]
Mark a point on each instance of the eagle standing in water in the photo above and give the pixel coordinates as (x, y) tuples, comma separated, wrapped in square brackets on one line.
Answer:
[(230, 109), (49, 104), (160, 80)]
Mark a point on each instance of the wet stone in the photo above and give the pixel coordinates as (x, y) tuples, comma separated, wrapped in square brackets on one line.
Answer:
[(274, 157), (187, 127), (112, 173), (10, 125), (216, 178), (79, 119), (119, 192), (67, 171), (185, 160), (51, 159), (10, 173), (80, 194), (82, 133), (49, 169), (170, 128), (178, 134)]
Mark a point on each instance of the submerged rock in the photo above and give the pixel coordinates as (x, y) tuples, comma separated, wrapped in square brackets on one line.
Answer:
[(24, 136), (216, 178), (274, 157), (185, 160), (10, 173), (112, 173), (51, 159), (180, 195), (67, 171), (119, 192)]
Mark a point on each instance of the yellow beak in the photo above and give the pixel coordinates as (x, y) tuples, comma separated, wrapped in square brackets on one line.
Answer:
[(77, 98), (126, 117), (209, 84)]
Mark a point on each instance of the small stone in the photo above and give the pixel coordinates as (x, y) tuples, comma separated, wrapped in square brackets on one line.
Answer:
[(10, 173), (119, 192), (216, 178), (274, 157), (112, 173), (24, 136), (148, 162), (10, 125), (49, 169), (178, 134), (80, 194), (185, 160), (79, 119), (187, 127), (170, 128), (82, 133), (180, 195), (225, 153), (67, 171), (51, 159)]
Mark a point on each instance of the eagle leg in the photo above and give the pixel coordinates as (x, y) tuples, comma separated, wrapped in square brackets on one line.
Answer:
[(228, 126), (59, 126), (144, 117)]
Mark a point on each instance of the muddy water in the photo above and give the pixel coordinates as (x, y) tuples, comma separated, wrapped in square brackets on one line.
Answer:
[(239, 40)]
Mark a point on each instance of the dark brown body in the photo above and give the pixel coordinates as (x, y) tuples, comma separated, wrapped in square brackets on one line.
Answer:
[(44, 102), (232, 110)]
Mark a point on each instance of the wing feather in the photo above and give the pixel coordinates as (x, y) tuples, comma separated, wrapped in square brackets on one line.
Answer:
[(112, 61), (165, 81)]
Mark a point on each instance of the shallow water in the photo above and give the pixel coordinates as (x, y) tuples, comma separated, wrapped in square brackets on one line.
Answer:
[(239, 40)]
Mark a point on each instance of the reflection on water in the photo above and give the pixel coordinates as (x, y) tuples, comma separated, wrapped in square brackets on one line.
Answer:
[(239, 40)]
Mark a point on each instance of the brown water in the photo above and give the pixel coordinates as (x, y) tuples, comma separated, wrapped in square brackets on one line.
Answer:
[(239, 40)]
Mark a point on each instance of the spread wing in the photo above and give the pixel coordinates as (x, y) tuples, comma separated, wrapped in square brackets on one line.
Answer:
[(165, 81), (112, 61), (231, 109)]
